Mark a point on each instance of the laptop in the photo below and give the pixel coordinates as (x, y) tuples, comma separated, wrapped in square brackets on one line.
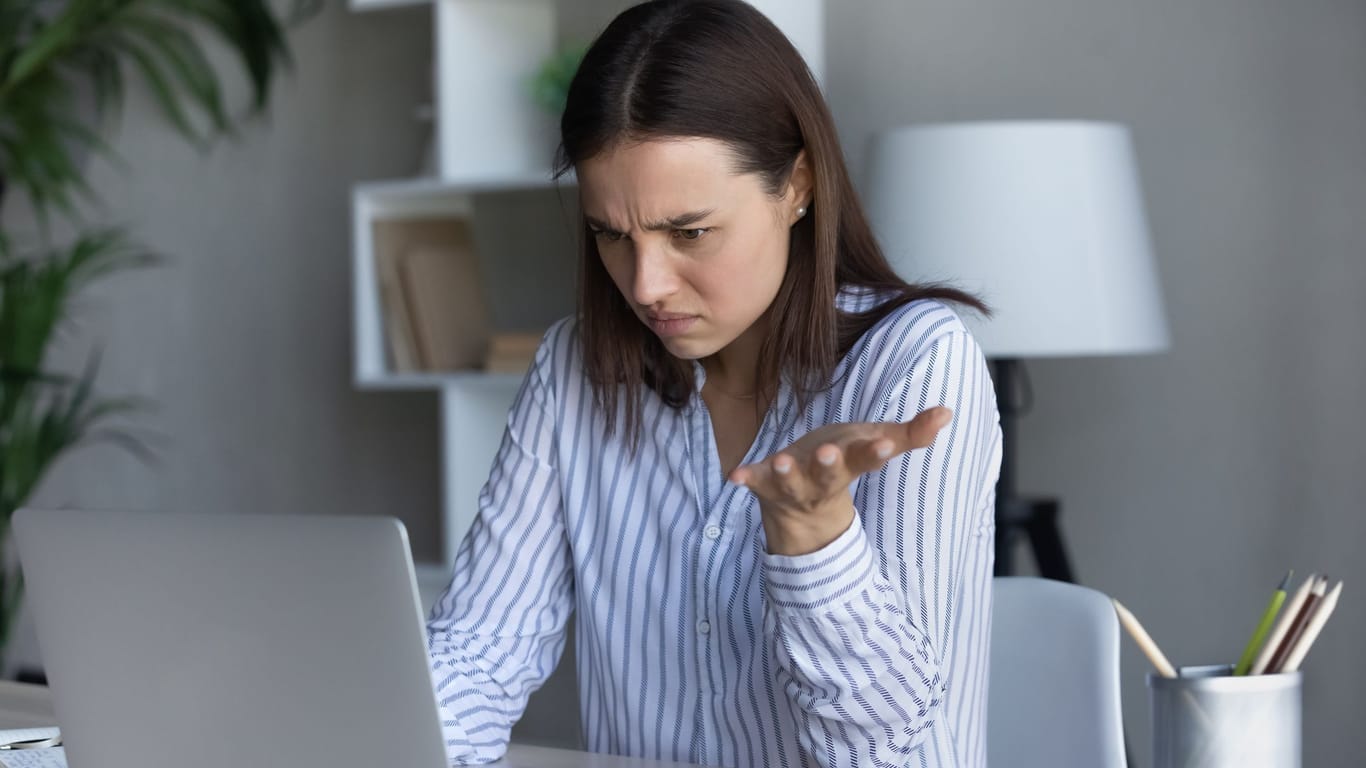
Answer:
[(218, 641)]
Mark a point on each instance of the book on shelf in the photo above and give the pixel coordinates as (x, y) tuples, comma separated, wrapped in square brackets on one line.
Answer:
[(399, 353), (434, 312)]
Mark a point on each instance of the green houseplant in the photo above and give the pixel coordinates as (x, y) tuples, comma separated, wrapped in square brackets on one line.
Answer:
[(64, 65)]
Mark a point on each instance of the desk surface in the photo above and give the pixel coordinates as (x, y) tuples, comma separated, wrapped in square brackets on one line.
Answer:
[(30, 706)]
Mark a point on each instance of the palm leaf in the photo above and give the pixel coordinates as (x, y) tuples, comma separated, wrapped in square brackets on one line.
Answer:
[(49, 421), (35, 296), (187, 63), (150, 66), (53, 68)]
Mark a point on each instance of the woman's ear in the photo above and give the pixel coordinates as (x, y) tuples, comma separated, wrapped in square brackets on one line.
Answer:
[(799, 188)]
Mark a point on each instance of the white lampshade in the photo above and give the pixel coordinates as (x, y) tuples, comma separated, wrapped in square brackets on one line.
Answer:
[(1043, 220)]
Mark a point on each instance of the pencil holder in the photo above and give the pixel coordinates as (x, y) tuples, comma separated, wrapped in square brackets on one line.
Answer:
[(1206, 718)]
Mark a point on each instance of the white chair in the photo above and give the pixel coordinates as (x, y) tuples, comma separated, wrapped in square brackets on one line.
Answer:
[(1053, 701)]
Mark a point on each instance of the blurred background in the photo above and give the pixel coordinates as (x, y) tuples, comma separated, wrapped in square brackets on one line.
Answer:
[(1190, 480)]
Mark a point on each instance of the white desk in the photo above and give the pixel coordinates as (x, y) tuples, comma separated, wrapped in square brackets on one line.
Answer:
[(30, 706)]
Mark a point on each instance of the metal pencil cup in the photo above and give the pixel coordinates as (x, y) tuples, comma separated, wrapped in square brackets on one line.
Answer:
[(1206, 718)]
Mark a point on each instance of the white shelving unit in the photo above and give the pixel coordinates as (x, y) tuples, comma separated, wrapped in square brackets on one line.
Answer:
[(489, 137), (485, 51)]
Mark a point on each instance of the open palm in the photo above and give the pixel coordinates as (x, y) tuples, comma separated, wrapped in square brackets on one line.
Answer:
[(808, 474)]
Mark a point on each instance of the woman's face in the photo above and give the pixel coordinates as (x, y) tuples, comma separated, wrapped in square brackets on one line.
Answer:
[(698, 250)]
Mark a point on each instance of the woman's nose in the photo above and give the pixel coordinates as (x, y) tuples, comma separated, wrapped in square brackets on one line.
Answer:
[(655, 278)]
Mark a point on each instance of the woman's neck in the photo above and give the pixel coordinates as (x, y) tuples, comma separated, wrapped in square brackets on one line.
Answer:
[(733, 370)]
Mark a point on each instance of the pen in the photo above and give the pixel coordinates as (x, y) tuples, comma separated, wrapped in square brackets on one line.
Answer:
[(1292, 609), (1145, 642), (1311, 633), (1263, 627), (1297, 628)]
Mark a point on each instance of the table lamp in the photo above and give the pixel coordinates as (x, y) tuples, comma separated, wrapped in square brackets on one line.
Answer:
[(1044, 221)]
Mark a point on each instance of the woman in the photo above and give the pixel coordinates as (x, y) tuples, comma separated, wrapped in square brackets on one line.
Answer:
[(757, 464)]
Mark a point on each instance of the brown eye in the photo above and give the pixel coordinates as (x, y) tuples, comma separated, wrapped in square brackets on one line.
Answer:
[(690, 234)]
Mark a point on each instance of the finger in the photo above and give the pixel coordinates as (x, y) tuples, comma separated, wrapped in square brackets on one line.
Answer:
[(870, 454), (788, 476), (757, 477), (752, 476), (921, 431), (827, 466)]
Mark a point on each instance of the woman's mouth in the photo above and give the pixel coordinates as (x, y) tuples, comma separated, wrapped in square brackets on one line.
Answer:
[(666, 325)]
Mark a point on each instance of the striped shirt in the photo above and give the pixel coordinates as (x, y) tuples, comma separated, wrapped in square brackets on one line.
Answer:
[(693, 643)]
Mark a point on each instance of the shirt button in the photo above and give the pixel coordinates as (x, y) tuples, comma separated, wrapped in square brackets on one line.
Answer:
[(712, 532), (704, 626)]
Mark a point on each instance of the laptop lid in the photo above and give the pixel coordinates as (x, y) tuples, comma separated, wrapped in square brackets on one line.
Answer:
[(222, 640)]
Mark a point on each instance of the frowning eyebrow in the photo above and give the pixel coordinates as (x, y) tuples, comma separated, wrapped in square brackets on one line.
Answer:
[(673, 222)]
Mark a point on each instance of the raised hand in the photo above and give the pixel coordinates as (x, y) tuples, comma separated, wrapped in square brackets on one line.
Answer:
[(803, 489)]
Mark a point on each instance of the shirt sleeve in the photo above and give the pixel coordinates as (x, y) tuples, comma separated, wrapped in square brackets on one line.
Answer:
[(498, 630), (860, 626)]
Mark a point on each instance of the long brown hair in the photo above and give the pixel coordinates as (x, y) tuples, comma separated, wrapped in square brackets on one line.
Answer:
[(719, 69)]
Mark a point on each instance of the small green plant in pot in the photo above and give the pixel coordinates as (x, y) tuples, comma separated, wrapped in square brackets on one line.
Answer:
[(64, 66)]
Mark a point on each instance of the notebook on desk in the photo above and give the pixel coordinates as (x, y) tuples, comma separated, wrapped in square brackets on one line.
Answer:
[(173, 640)]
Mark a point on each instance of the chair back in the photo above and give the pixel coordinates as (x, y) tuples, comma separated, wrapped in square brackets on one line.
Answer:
[(1054, 699)]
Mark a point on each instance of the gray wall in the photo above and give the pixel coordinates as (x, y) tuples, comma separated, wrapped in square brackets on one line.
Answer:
[(1191, 480)]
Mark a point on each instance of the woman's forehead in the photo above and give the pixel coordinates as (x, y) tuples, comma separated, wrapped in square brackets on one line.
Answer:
[(659, 178)]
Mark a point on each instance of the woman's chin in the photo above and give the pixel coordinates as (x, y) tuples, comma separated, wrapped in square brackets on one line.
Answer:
[(682, 349), (688, 349)]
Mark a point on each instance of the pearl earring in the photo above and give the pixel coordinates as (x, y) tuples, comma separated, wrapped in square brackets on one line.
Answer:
[(801, 212)]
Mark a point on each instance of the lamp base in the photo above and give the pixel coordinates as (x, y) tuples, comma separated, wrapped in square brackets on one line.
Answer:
[(1037, 519)]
